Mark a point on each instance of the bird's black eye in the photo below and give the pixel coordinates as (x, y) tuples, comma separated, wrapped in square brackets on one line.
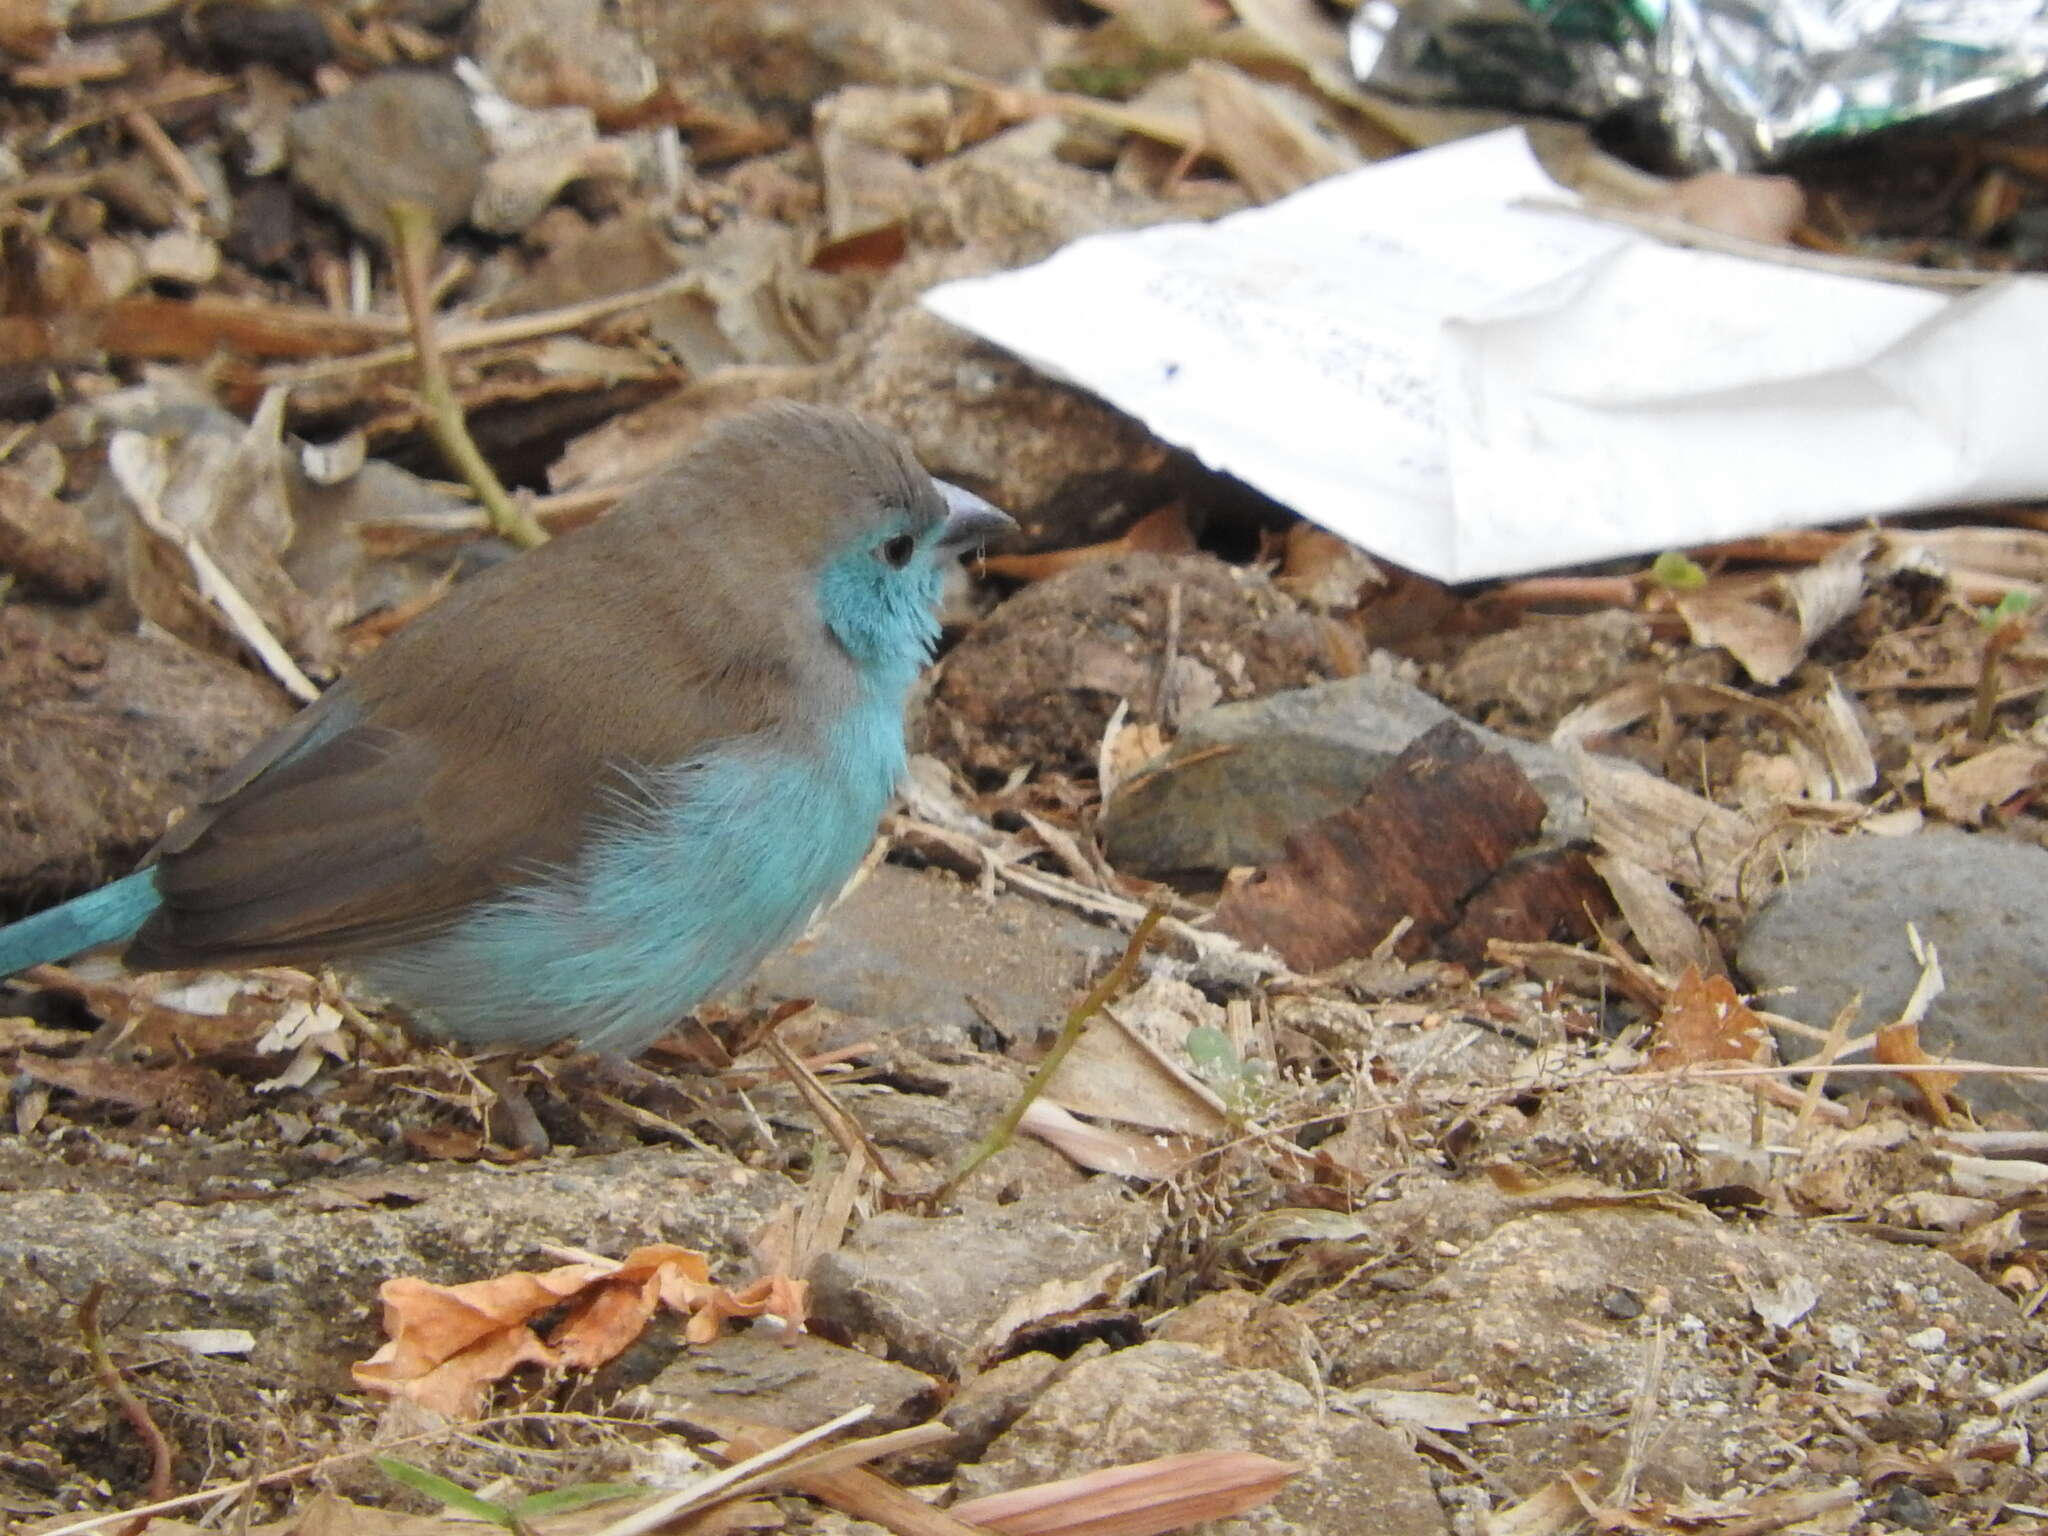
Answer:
[(897, 551)]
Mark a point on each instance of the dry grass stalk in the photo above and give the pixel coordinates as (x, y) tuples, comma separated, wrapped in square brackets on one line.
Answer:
[(1148, 1498)]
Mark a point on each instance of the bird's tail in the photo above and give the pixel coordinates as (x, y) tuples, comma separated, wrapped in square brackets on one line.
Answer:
[(99, 917)]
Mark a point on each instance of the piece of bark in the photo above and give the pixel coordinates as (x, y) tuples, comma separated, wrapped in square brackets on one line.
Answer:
[(1553, 895), (1428, 834)]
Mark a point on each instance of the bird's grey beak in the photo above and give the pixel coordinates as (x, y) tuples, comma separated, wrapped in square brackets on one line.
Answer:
[(969, 519)]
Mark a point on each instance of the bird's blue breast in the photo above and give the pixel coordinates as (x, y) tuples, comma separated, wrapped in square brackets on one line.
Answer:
[(694, 875)]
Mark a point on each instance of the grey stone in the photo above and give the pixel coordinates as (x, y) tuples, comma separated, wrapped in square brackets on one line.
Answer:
[(1166, 1399), (1841, 929), (402, 134), (1292, 758), (933, 1288), (1527, 1312), (303, 1277), (917, 950), (792, 1382)]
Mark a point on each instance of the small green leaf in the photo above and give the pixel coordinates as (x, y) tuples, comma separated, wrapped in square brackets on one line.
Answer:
[(2010, 606), (1676, 571), (1211, 1051), (576, 1496), (454, 1495)]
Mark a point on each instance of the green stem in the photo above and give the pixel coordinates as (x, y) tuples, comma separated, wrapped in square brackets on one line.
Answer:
[(412, 251), (1070, 1036)]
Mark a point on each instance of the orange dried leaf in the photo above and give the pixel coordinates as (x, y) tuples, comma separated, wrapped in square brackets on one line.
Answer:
[(448, 1341), (1706, 1021), (1146, 1498), (606, 1320), (454, 1386), (1898, 1045)]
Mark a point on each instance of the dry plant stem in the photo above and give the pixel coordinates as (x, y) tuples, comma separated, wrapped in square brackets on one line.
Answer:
[(492, 333), (412, 252), (740, 1477), (109, 1377), (1984, 716), (1596, 591), (170, 159), (840, 1125), (858, 1492), (1070, 1035)]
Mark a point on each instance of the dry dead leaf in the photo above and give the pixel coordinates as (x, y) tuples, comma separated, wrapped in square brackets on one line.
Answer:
[(1658, 919), (1325, 571), (448, 1343), (188, 1097), (1706, 1021), (1555, 1509), (1132, 1065), (1677, 835), (1898, 1045), (1962, 792), (1444, 1411), (1266, 134), (1107, 1148)]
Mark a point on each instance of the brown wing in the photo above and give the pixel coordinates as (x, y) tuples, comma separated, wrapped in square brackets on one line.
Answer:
[(314, 846)]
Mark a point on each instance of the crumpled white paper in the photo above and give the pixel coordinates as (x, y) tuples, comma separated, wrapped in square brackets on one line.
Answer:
[(1474, 389)]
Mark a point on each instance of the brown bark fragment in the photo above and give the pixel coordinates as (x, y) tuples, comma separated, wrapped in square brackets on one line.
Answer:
[(1430, 832)]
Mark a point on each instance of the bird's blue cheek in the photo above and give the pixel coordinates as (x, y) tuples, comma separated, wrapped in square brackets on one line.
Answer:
[(886, 618)]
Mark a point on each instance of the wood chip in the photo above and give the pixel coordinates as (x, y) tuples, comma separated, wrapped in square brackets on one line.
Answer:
[(1431, 830)]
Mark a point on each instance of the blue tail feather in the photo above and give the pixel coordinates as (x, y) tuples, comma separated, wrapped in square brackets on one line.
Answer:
[(99, 917)]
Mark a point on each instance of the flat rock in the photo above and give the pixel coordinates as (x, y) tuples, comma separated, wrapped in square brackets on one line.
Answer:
[(1840, 929), (1165, 1399), (303, 1277), (935, 1288), (400, 134), (102, 738), (1240, 777), (916, 950), (1556, 1310), (794, 1383)]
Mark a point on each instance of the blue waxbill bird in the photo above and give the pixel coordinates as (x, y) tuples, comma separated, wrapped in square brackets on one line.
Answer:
[(597, 784)]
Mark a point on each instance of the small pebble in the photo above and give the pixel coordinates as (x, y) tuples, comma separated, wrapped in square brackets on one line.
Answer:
[(181, 256), (1622, 1304), (1929, 1339)]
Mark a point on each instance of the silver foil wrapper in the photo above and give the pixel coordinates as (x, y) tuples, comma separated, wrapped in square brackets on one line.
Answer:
[(1733, 84)]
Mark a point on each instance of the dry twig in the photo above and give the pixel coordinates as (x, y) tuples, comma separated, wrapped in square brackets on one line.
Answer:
[(132, 1409)]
